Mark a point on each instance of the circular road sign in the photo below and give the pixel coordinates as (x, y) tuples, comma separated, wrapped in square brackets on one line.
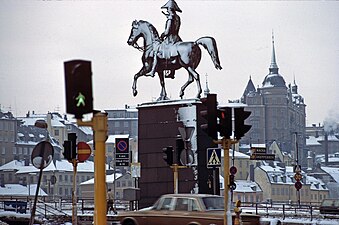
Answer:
[(233, 170), (42, 154), (122, 146), (298, 176), (298, 185), (84, 151)]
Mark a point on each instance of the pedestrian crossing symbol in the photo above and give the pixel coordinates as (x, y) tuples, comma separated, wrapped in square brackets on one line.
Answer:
[(213, 157)]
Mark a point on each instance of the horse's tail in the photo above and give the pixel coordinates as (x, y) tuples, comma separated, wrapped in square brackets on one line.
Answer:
[(210, 45)]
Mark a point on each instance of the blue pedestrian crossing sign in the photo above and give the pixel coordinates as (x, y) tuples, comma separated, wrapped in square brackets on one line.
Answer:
[(213, 157)]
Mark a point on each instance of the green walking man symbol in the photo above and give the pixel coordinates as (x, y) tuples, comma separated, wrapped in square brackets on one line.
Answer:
[(80, 100)]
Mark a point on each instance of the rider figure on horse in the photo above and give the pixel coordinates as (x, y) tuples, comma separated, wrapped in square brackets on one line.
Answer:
[(170, 36)]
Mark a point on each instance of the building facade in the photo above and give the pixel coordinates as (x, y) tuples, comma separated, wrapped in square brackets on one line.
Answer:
[(123, 121), (278, 113)]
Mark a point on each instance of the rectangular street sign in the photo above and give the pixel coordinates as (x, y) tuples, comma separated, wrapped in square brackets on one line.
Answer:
[(213, 157), (258, 150), (122, 153), (262, 157)]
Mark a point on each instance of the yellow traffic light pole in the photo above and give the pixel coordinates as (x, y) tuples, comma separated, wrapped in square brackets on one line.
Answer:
[(99, 126), (226, 143)]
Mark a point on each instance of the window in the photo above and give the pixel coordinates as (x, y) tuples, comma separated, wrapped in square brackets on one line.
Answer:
[(166, 204), (181, 204), (3, 151), (56, 132), (123, 183), (126, 124), (66, 178), (118, 183), (273, 191), (60, 178), (60, 191), (130, 183), (116, 124)]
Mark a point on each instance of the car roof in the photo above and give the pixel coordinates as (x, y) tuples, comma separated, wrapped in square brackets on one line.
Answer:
[(190, 195)]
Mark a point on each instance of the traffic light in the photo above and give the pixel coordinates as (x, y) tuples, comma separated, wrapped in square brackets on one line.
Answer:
[(298, 177), (78, 82), (225, 122), (210, 114), (67, 150), (233, 186), (168, 155), (180, 149), (240, 128), (72, 137)]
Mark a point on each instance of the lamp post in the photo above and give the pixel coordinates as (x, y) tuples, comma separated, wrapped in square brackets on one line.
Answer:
[(41, 157)]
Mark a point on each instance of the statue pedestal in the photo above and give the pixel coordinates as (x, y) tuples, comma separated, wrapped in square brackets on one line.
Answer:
[(158, 125)]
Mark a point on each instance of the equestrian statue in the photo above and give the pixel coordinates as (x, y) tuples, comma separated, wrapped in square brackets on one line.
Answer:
[(168, 53)]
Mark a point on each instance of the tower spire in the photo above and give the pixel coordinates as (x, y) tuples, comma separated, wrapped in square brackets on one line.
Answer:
[(273, 67)]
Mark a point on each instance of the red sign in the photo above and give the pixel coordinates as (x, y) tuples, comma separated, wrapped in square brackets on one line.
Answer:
[(298, 185), (84, 151)]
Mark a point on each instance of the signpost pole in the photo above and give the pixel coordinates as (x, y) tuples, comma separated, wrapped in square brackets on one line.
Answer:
[(100, 132), (99, 126), (225, 145), (175, 174), (74, 195)]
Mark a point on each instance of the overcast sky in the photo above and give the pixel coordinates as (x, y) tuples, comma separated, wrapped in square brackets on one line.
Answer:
[(36, 37)]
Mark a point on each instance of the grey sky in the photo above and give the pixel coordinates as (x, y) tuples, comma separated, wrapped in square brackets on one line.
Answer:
[(36, 37)]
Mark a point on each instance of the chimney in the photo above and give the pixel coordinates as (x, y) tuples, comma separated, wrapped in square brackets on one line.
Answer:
[(326, 148), (252, 173)]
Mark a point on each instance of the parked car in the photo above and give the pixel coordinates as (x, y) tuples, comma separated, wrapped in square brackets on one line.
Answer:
[(183, 209), (329, 206)]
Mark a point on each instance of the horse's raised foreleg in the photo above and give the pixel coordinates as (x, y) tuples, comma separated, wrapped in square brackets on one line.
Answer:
[(163, 94), (189, 81), (136, 76), (196, 76)]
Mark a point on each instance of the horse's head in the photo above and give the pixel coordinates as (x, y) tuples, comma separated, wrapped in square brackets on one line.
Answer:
[(135, 33)]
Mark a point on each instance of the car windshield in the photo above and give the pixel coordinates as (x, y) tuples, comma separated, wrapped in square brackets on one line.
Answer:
[(213, 203)]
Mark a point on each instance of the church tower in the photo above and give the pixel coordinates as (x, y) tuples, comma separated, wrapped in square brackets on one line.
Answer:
[(278, 111)]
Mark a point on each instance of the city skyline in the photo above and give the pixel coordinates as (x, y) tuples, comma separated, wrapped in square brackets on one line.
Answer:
[(37, 37)]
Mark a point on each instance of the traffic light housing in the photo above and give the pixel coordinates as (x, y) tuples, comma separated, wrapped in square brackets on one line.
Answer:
[(78, 83), (232, 186), (240, 128), (67, 150), (180, 149), (225, 122), (168, 155), (72, 138), (210, 114)]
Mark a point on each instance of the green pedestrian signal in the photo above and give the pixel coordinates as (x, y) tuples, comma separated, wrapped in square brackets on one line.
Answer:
[(80, 100), (78, 82)]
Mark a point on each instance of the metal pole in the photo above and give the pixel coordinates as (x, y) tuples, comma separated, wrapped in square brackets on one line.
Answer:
[(114, 182), (214, 182), (100, 128), (225, 145), (31, 222), (74, 195), (175, 174)]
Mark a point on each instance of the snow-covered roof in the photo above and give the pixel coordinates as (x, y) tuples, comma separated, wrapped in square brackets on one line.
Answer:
[(332, 171), (237, 155), (311, 140), (20, 190), (109, 179), (247, 186), (12, 165), (60, 165)]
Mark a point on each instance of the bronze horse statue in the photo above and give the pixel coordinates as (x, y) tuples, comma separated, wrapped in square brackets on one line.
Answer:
[(182, 54)]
